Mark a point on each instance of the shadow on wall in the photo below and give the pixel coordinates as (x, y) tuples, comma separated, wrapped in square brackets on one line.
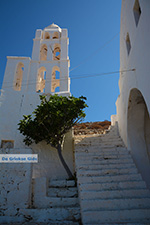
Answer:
[(139, 133), (49, 164)]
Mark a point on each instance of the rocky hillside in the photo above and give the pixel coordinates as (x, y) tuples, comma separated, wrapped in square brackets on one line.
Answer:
[(91, 127)]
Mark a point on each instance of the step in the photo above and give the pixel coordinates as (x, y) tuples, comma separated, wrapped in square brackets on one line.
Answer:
[(101, 153), (133, 193), (61, 183), (111, 134), (99, 166), (106, 179), (111, 137), (108, 142), (100, 145), (63, 192), (103, 156), (100, 138), (115, 204), (101, 142), (104, 161), (48, 202), (119, 216), (113, 186), (52, 214), (91, 173), (6, 220), (49, 223), (95, 149), (41, 223)]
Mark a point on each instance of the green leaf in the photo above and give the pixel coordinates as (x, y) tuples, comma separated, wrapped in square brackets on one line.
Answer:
[(52, 119)]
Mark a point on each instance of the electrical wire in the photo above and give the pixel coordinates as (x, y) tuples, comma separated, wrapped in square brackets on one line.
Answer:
[(81, 76), (95, 52)]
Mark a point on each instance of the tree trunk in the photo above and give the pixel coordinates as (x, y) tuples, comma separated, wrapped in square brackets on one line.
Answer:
[(63, 162)]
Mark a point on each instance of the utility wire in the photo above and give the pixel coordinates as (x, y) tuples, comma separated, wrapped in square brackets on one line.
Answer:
[(82, 76), (95, 52), (101, 74)]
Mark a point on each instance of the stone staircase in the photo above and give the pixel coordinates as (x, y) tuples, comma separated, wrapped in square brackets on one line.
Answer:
[(110, 188), (54, 202)]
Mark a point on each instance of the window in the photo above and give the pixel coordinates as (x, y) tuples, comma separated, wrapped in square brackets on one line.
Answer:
[(55, 84), (57, 74), (57, 89), (137, 11), (7, 144), (18, 76), (56, 52), (43, 52), (128, 43), (47, 36), (41, 77), (55, 35)]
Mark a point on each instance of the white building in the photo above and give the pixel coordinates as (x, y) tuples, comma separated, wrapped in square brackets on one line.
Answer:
[(46, 72), (25, 78), (133, 103), (21, 184)]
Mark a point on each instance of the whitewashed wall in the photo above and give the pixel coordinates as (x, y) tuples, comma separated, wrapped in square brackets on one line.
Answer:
[(15, 185), (138, 58), (138, 80), (15, 104)]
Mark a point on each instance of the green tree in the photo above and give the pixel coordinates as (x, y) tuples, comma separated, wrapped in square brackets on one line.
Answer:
[(51, 120)]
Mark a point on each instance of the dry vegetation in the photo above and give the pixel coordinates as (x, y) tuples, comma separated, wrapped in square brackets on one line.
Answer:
[(91, 127)]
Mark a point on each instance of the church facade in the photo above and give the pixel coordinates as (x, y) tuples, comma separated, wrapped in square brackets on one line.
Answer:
[(46, 72)]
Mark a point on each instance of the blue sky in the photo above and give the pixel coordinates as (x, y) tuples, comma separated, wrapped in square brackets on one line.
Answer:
[(93, 29)]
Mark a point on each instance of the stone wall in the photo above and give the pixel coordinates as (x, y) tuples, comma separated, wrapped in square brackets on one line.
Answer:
[(91, 128), (15, 185)]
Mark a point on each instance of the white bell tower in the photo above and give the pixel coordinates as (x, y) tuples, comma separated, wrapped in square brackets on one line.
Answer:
[(47, 72), (50, 53)]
